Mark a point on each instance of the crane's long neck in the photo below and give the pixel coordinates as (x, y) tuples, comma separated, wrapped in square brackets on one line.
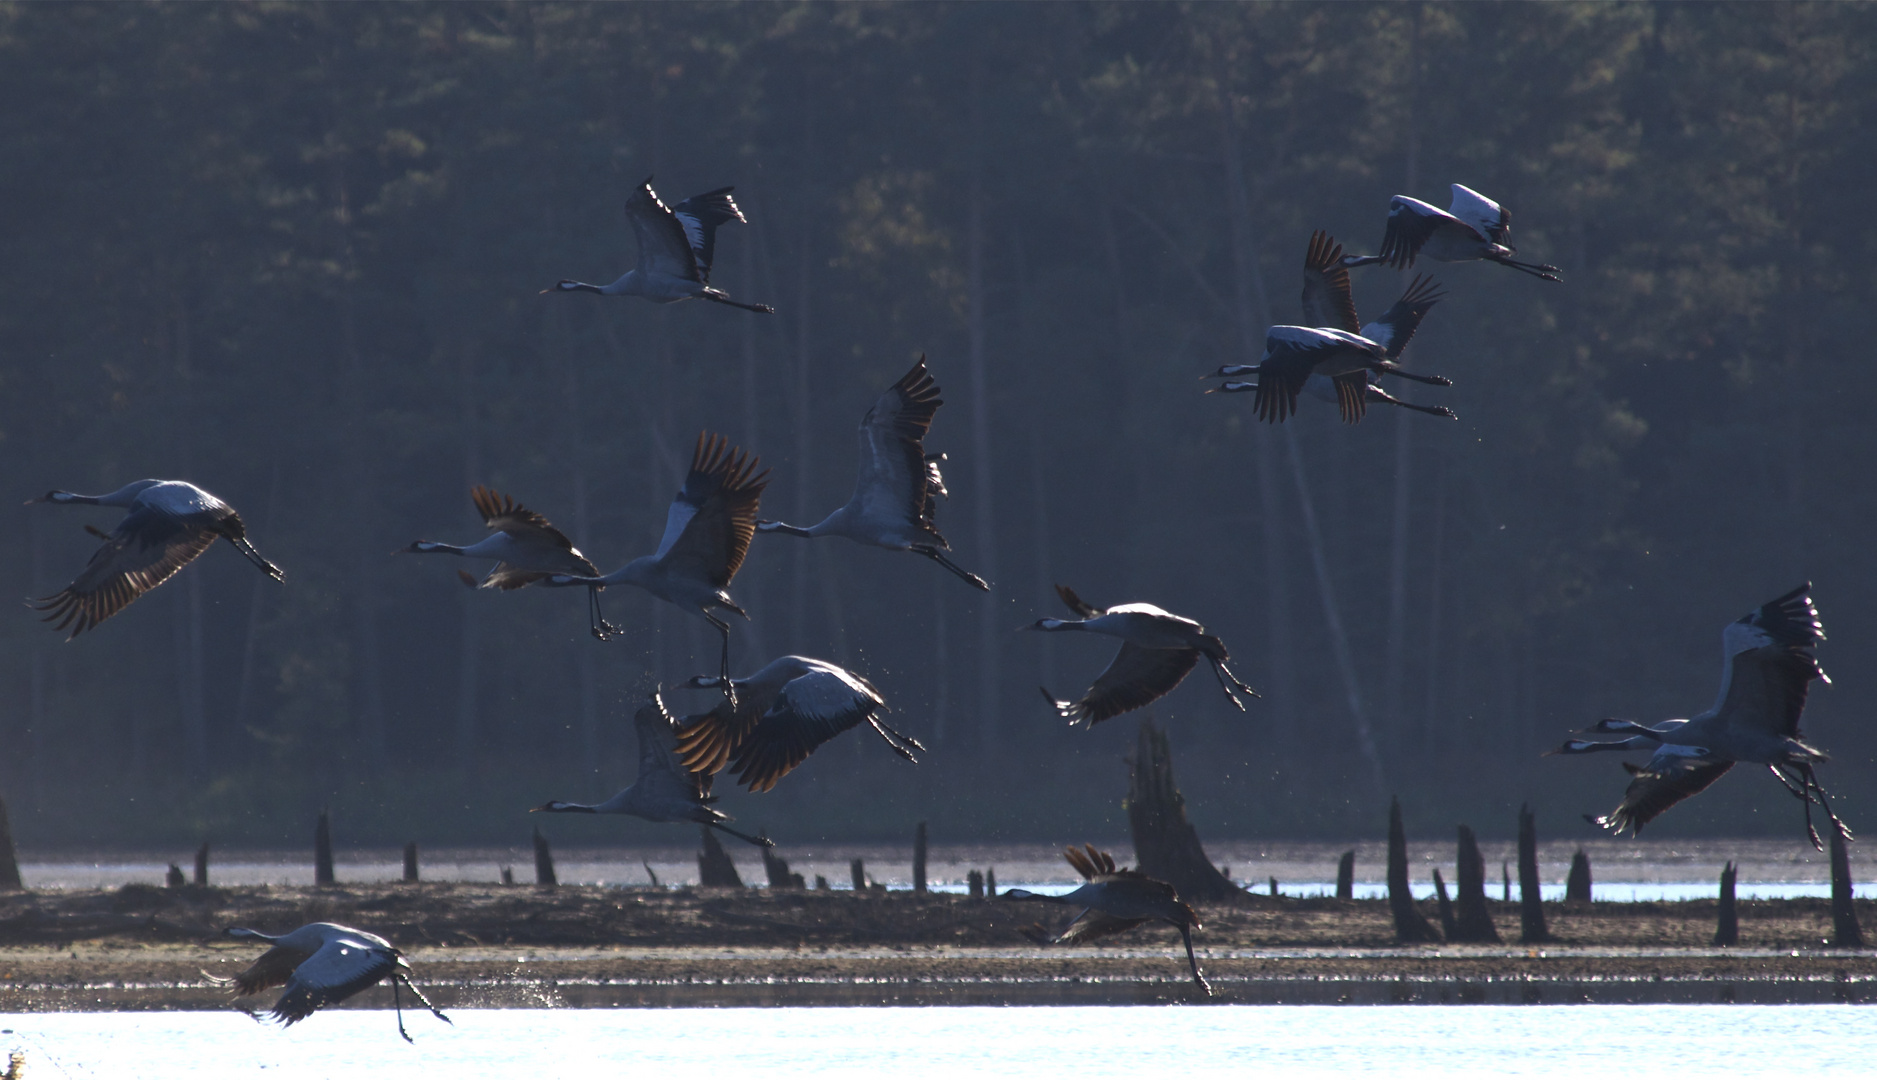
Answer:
[(1061, 624), (246, 934), (432, 547)]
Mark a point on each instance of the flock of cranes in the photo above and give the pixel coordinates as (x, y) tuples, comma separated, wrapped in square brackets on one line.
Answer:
[(766, 724)]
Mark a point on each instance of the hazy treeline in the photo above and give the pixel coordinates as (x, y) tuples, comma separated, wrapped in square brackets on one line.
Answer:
[(293, 252)]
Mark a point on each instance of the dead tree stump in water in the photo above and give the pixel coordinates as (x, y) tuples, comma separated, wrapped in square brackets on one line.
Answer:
[(410, 863), (918, 859), (202, 864), (9, 860), (1165, 844), (322, 850), (714, 868), (1346, 876), (1410, 924), (974, 885), (1845, 933), (543, 860), (1727, 930), (858, 870), (777, 869), (174, 878), (1531, 903), (990, 883), (1472, 921), (1448, 927), (1577, 885)]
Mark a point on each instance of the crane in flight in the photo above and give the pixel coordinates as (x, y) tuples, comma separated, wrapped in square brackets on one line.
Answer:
[(676, 246)]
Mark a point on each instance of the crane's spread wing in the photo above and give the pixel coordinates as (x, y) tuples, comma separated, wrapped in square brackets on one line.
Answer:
[(1665, 781), (708, 530), (663, 246), (272, 968), (1082, 609), (1326, 297), (1135, 678), (1397, 325), (342, 967), (1484, 216), (810, 710), (1770, 662), (895, 480), (557, 554), (705, 742), (700, 215), (1089, 861), (145, 550), (1352, 396), (1092, 925), (1291, 353), (1410, 223), (661, 772)]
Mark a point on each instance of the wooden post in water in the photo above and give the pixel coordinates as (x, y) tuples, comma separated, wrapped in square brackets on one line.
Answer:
[(1472, 920), (777, 869), (918, 859), (990, 882), (174, 878), (859, 871), (714, 868), (1727, 930), (1346, 876), (9, 860), (1448, 928), (1577, 885), (1273, 886), (508, 875), (1531, 904), (1410, 924), (1505, 882), (543, 860), (202, 864), (322, 849), (974, 885), (1845, 933), (410, 863)]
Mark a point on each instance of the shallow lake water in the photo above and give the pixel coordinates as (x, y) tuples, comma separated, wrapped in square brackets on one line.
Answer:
[(1620, 869), (1247, 1041)]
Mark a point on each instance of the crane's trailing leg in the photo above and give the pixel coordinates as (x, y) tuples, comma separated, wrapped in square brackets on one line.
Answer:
[(938, 556), (759, 841), (1537, 270), (723, 667), (713, 294), (1415, 376), (400, 977), (1224, 673), (596, 619), (1199, 977), (254, 557)]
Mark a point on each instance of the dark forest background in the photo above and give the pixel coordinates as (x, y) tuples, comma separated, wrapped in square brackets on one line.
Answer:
[(292, 253)]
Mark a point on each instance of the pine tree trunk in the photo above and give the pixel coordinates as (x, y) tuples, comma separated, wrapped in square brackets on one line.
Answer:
[(1165, 844)]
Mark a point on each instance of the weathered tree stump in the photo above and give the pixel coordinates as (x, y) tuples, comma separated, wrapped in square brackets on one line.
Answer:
[(1346, 876), (1165, 844), (918, 859), (174, 878), (1577, 885), (1410, 924), (777, 869), (821, 884), (650, 874), (1531, 903), (508, 875), (410, 863), (543, 860), (1273, 886), (714, 868), (990, 882), (1472, 920), (974, 885), (1448, 928), (1845, 933), (202, 864), (1505, 882), (858, 871), (1727, 928), (9, 860), (322, 850)]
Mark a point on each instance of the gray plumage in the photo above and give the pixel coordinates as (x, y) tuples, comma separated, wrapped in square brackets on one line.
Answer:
[(1474, 227), (664, 790), (1769, 660), (323, 964), (676, 248), (1113, 901)]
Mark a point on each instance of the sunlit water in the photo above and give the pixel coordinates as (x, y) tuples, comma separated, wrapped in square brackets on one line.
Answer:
[(1246, 1041), (1620, 869)]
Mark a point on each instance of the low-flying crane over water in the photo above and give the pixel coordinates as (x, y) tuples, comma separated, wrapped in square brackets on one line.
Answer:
[(665, 791), (1158, 649), (169, 523), (899, 487), (1328, 302), (1474, 227), (1114, 901), (707, 533), (676, 246), (1768, 660), (323, 964), (527, 548), (778, 716)]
